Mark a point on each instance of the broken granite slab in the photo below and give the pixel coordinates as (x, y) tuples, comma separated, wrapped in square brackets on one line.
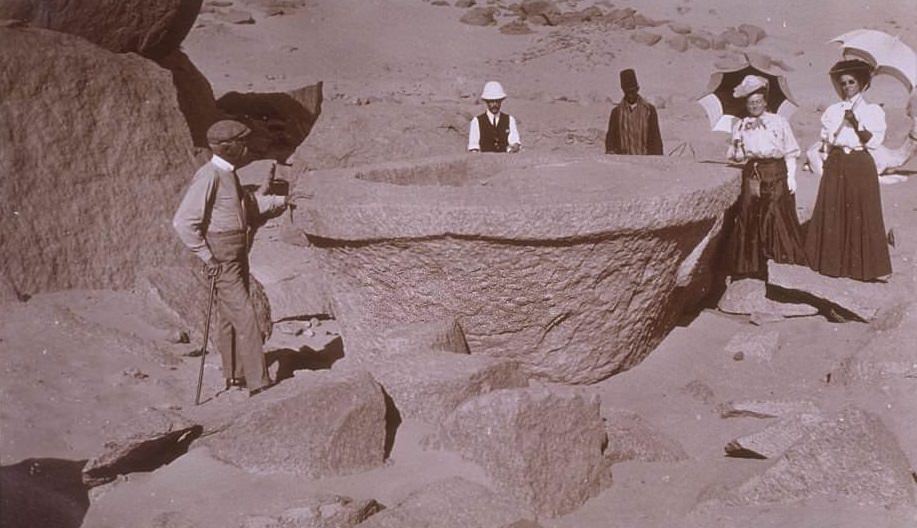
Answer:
[(860, 300)]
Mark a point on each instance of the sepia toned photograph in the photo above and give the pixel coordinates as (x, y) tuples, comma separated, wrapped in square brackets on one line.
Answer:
[(458, 264)]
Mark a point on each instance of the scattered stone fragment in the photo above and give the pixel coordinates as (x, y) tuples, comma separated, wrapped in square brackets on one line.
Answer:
[(430, 385), (749, 296), (678, 27), (442, 3), (516, 27), (889, 354), (678, 43), (464, 3), (753, 32), (630, 437), (152, 440), (533, 8), (235, 16), (773, 440), (480, 16), (766, 408), (645, 37), (738, 356), (851, 456), (323, 511), (700, 391), (620, 13), (592, 13), (293, 328), (760, 346), (451, 503), (644, 21), (854, 299), (734, 37), (135, 373), (700, 42), (316, 424), (542, 446)]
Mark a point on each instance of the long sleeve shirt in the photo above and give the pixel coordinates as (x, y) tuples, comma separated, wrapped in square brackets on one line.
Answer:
[(214, 203), (474, 131), (766, 136), (839, 133)]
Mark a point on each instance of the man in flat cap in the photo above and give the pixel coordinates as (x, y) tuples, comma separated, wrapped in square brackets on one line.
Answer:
[(213, 222), (633, 127)]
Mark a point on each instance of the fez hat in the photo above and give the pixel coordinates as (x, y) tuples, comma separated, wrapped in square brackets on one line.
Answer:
[(226, 130), (629, 79), (749, 85), (493, 91)]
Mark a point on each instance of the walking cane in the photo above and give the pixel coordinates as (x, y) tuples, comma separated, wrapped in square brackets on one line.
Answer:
[(200, 374)]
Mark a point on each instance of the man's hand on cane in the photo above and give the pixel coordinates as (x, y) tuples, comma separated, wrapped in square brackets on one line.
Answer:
[(212, 268)]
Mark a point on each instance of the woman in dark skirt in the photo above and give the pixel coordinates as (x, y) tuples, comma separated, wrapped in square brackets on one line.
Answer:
[(766, 226), (846, 236)]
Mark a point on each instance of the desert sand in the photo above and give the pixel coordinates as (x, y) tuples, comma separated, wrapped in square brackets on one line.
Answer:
[(401, 80)]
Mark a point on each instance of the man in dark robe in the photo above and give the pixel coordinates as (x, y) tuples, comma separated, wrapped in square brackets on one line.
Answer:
[(633, 127)]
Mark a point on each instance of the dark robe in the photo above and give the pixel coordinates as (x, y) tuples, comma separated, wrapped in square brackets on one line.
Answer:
[(633, 130)]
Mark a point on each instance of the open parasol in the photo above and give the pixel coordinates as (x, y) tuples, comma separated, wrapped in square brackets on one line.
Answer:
[(884, 52), (724, 110)]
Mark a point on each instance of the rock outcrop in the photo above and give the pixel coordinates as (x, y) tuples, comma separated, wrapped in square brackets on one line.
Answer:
[(97, 153), (317, 424), (569, 266), (541, 446), (450, 503), (152, 29), (851, 456), (630, 437)]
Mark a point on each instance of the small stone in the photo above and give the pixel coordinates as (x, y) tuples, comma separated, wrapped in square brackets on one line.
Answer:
[(773, 440), (699, 42), (766, 408), (760, 346), (135, 373), (681, 29), (630, 437), (479, 16), (235, 16), (516, 27), (738, 356), (734, 37), (678, 43), (645, 37), (644, 21), (753, 32), (464, 3)]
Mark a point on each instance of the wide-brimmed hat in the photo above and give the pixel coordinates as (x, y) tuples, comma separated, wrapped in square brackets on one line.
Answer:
[(629, 79), (226, 130), (749, 85), (851, 66), (493, 91)]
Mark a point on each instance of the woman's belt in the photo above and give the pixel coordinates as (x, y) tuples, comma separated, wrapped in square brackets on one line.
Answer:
[(845, 149)]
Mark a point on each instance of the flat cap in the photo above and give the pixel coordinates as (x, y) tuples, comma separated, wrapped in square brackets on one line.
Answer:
[(226, 130)]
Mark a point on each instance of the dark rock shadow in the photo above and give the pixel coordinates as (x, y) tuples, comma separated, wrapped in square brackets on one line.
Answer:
[(280, 121), (392, 422), (195, 95), (146, 456), (306, 358), (43, 492)]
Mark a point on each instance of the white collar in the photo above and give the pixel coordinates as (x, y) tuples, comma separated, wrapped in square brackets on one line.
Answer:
[(856, 99), (491, 116), (222, 164)]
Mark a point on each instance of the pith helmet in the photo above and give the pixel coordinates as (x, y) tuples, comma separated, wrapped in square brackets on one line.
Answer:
[(493, 91)]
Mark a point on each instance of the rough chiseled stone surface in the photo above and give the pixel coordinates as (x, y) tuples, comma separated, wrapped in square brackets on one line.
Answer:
[(443, 335), (774, 439), (430, 385), (542, 446), (632, 438), (317, 424), (568, 265), (323, 511), (152, 29), (450, 503), (852, 456), (102, 129)]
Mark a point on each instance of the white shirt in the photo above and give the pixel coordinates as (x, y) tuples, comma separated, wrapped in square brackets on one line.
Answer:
[(766, 136), (474, 132), (837, 132)]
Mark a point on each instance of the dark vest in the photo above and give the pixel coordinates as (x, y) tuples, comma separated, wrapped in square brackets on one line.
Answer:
[(494, 139)]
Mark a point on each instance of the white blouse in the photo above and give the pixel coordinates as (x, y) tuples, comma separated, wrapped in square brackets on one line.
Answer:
[(836, 131), (766, 136)]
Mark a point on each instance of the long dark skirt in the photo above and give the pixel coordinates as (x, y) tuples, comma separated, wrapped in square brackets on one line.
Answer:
[(846, 236), (766, 225)]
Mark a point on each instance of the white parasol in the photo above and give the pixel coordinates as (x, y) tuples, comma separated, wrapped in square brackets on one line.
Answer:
[(887, 53)]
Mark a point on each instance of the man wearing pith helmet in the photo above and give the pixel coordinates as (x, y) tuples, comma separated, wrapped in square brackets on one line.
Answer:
[(213, 222), (493, 131)]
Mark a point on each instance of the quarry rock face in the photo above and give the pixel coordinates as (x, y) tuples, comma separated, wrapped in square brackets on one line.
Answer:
[(96, 154), (316, 424), (152, 29), (568, 265), (541, 446)]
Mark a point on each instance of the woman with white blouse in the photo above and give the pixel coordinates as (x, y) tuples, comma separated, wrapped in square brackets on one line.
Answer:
[(766, 226), (846, 236)]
